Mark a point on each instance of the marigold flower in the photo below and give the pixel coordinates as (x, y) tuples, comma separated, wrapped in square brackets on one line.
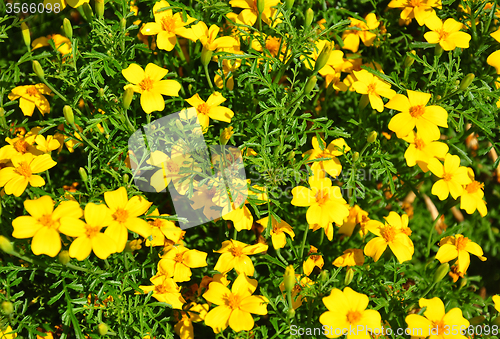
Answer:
[(374, 87), (125, 214), (458, 246), (235, 305), (148, 82), (472, 196), (414, 112), (241, 217), (193, 313), (453, 177), (250, 13), (8, 333), (165, 290), (210, 109), (20, 145), (313, 260), (435, 322), (421, 150), (356, 216), (331, 164), (278, 231), (351, 257), (32, 96), (496, 301), (346, 311), (43, 223), (208, 37), (420, 10), (61, 43), (16, 178), (169, 172), (351, 37), (168, 26), (88, 235), (325, 202), (299, 285), (394, 233), (235, 255), (161, 229), (46, 145), (228, 66), (446, 34), (178, 260)]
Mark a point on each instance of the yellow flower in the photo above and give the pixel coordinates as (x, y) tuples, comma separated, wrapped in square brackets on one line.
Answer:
[(165, 290), (300, 284), (241, 217), (20, 145), (496, 300), (228, 65), (208, 37), (249, 14), (148, 82), (278, 231), (46, 145), (125, 214), (168, 26), (414, 112), (458, 246), (178, 261), (446, 34), (417, 9), (31, 97), (8, 333), (313, 260), (421, 150), (169, 172), (235, 305), (43, 223), (394, 233), (331, 164), (347, 313), (494, 60), (356, 216), (193, 313), (436, 323), (472, 196), (453, 177), (16, 178), (61, 43), (235, 255), (351, 257), (161, 229), (325, 202), (351, 37), (88, 235), (374, 87), (210, 109)]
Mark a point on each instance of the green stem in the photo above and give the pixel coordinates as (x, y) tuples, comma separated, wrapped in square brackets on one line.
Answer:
[(181, 52), (207, 75), (429, 240), (278, 252), (303, 243), (84, 138)]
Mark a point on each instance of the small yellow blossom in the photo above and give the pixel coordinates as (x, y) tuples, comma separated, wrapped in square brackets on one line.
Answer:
[(235, 255), (300, 285), (458, 246), (313, 260), (61, 43), (250, 13), (472, 196), (368, 84), (446, 34), (278, 231), (165, 290), (351, 257), (161, 229), (421, 150), (351, 37), (452, 177), (210, 109), (330, 164), (32, 96), (420, 10), (178, 260)]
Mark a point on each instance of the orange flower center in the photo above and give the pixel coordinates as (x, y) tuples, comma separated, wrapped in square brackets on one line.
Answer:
[(21, 146), (461, 243), (438, 327), (417, 111), (406, 230), (273, 46), (203, 108), (447, 176), (277, 230), (353, 317), (178, 257), (388, 233), (372, 88), (24, 169), (163, 289), (443, 35), (232, 300), (414, 3), (172, 167), (46, 221), (169, 24), (120, 215), (419, 144), (146, 84), (31, 91), (315, 257), (322, 197), (91, 231), (236, 251), (474, 186), (156, 223), (324, 155)]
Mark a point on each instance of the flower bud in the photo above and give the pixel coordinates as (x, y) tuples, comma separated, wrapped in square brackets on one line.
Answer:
[(323, 56), (26, 35), (206, 56), (355, 156), (466, 81), (68, 115), (63, 257), (291, 156), (309, 18), (289, 4), (100, 92), (311, 82), (463, 282), (441, 272), (7, 307), (409, 60), (83, 174), (68, 29), (289, 278), (226, 135), (89, 15), (261, 5), (99, 8), (38, 70), (6, 245), (438, 50), (291, 313), (102, 328), (349, 275), (372, 137), (127, 97), (125, 178), (323, 276), (3, 124)]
